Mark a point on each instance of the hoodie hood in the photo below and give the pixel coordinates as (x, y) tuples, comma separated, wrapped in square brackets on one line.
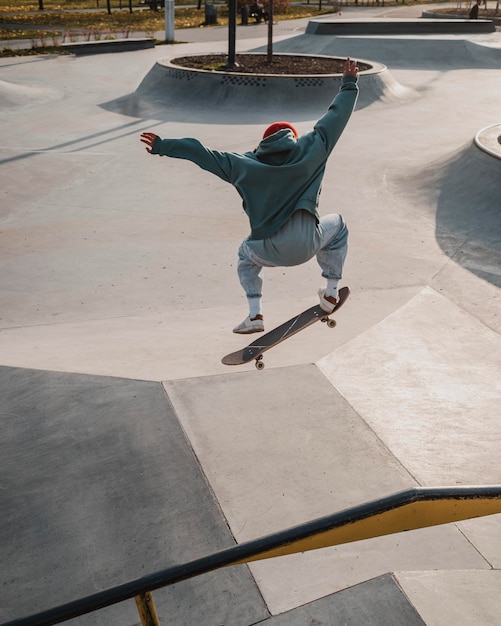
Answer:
[(275, 148)]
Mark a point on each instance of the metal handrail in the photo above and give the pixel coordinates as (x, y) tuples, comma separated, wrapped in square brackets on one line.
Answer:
[(406, 510)]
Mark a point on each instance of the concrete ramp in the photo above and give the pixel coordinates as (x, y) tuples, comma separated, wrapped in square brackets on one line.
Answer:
[(426, 379), (464, 188), (110, 478), (397, 26), (403, 51), (100, 486), (16, 95), (167, 88)]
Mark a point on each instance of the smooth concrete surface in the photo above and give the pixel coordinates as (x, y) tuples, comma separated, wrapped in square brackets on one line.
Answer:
[(117, 274), (291, 452), (446, 384), (228, 424), (100, 486), (379, 602), (461, 598)]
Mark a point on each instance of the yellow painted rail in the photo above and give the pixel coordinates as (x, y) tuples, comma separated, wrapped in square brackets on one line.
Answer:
[(409, 510), (402, 511)]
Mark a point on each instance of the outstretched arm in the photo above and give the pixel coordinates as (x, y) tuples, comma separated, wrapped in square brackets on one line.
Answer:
[(331, 125), (219, 163)]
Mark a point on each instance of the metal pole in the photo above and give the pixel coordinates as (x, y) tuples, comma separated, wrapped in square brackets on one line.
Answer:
[(232, 32), (146, 609), (169, 20)]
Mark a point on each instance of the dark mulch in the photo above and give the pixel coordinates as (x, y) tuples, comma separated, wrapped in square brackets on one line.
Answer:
[(258, 64)]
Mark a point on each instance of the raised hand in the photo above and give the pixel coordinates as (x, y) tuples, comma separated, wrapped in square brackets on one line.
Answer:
[(148, 139), (351, 68)]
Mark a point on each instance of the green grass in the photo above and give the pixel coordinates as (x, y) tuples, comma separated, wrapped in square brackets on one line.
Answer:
[(58, 19)]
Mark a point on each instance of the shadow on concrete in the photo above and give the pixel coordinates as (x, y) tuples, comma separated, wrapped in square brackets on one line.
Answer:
[(466, 190), (82, 143)]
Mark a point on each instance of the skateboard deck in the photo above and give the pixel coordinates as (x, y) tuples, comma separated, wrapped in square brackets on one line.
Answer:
[(255, 350)]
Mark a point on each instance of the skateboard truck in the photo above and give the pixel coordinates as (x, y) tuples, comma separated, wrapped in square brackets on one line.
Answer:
[(259, 362)]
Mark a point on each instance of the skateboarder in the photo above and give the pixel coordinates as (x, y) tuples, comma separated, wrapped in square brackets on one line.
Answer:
[(279, 183)]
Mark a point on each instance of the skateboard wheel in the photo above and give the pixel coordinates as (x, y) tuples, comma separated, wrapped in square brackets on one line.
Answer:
[(260, 365), (331, 323)]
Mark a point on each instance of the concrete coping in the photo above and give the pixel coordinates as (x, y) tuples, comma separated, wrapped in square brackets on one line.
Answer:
[(398, 26), (448, 16), (109, 45), (373, 66), (489, 140)]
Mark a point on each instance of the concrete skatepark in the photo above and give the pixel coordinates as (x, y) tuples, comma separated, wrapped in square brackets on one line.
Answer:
[(128, 447)]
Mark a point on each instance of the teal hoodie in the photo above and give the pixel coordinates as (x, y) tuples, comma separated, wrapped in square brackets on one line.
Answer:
[(284, 173)]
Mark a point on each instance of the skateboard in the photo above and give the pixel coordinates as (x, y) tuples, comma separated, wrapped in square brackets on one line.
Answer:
[(267, 341)]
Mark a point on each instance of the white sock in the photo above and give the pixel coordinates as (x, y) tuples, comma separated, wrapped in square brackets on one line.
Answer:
[(254, 306), (331, 289)]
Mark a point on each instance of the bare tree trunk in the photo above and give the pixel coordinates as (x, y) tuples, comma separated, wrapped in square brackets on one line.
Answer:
[(270, 31)]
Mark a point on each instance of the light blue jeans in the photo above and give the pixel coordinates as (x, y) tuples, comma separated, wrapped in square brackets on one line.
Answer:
[(299, 240)]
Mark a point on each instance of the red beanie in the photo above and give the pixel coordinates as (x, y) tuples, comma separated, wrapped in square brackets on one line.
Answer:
[(274, 128)]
